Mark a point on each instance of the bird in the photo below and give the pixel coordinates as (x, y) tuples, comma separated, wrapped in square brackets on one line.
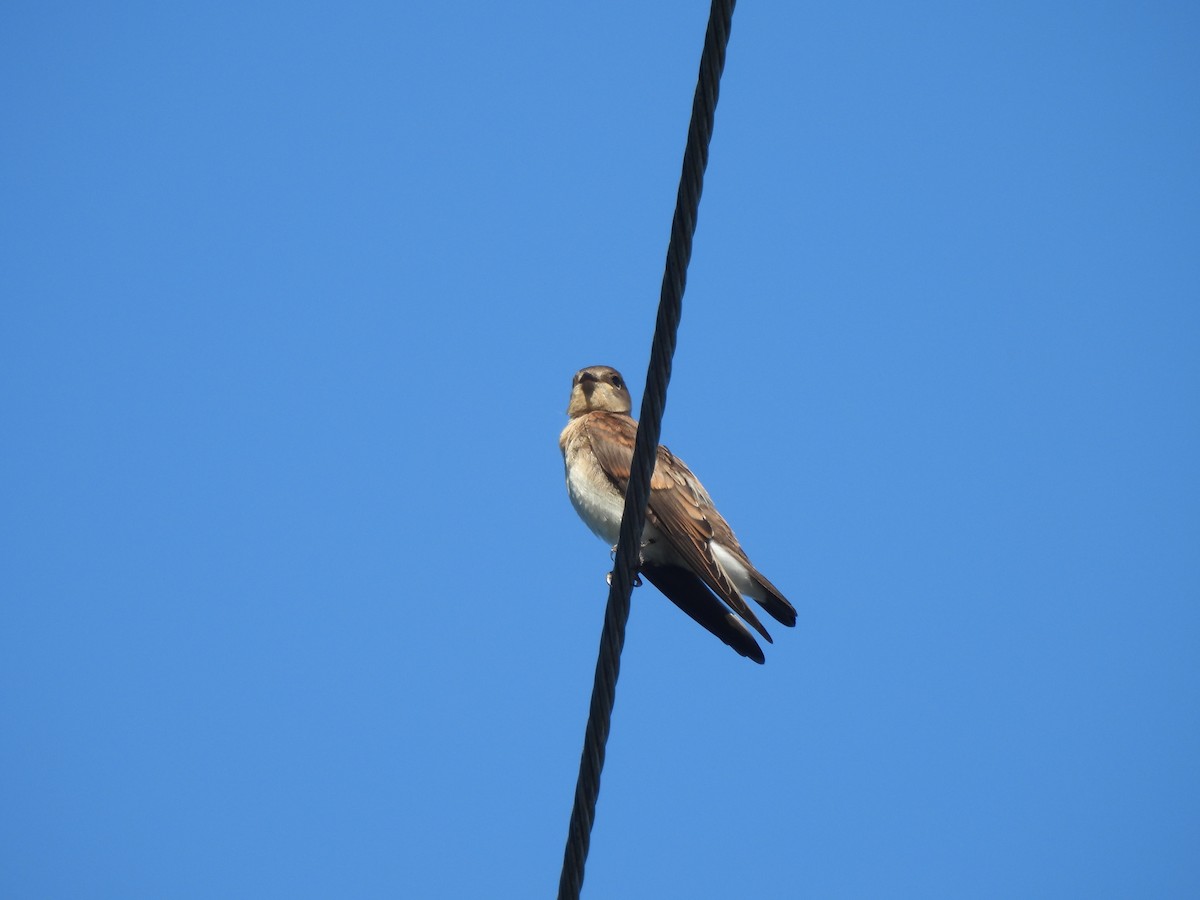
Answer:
[(688, 550)]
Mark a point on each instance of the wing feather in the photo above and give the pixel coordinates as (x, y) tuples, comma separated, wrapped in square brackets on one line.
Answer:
[(679, 506)]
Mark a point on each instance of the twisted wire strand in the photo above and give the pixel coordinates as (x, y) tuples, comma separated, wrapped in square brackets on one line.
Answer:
[(637, 494)]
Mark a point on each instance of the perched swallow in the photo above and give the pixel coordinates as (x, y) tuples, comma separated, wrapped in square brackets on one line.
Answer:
[(688, 550)]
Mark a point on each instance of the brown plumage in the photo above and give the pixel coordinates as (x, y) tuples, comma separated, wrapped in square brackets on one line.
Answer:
[(688, 548)]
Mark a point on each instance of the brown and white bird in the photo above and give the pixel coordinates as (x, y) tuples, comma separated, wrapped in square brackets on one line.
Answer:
[(689, 551)]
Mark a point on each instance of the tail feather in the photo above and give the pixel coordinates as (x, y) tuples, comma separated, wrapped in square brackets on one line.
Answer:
[(685, 589), (770, 599)]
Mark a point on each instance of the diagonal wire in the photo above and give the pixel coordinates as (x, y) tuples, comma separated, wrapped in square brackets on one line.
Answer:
[(654, 399)]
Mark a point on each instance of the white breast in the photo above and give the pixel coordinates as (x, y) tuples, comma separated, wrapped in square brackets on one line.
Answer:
[(594, 498), (598, 503)]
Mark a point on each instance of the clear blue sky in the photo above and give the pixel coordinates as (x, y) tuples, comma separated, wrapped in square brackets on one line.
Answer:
[(294, 603)]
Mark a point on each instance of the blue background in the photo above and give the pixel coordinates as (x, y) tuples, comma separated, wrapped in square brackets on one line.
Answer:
[(294, 604)]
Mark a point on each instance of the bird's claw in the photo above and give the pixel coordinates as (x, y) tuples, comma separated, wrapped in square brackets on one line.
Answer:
[(612, 552), (637, 579)]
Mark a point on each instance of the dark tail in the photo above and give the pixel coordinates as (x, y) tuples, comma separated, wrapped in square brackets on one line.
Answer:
[(689, 593)]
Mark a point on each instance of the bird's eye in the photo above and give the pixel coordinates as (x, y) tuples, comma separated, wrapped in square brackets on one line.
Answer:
[(617, 381)]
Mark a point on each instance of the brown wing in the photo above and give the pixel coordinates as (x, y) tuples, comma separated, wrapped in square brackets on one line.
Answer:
[(684, 513), (611, 436), (679, 506), (719, 531)]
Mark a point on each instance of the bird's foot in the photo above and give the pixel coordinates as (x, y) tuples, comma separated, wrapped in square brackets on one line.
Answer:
[(637, 579), (612, 552)]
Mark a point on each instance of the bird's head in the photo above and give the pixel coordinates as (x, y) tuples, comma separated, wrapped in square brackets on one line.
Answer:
[(598, 388)]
